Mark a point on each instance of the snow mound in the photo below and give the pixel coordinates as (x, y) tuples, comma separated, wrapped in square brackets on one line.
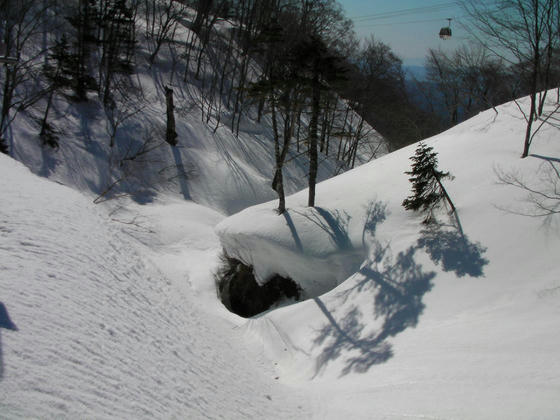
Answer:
[(449, 321), (310, 245)]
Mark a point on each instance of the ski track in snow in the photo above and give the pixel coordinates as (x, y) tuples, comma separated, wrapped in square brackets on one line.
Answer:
[(102, 333)]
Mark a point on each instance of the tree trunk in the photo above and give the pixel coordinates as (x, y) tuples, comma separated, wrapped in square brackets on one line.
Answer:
[(531, 117), (444, 192), (44, 124), (8, 92), (171, 135), (313, 156), (277, 181)]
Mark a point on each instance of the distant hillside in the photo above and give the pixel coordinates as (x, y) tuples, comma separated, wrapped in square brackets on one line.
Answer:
[(415, 72)]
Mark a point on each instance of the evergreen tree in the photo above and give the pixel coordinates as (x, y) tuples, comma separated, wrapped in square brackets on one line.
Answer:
[(84, 20), (427, 189), (117, 39), (59, 76)]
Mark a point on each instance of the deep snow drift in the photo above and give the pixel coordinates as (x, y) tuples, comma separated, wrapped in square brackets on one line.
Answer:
[(442, 322)]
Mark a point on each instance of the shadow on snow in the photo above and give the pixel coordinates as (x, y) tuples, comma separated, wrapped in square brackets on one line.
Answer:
[(5, 322), (397, 285)]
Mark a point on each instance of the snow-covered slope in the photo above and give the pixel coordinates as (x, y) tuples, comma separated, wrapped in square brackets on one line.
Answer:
[(101, 331), (434, 323), (212, 164), (111, 311)]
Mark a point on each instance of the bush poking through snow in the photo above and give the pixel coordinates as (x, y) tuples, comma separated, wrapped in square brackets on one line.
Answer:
[(241, 294)]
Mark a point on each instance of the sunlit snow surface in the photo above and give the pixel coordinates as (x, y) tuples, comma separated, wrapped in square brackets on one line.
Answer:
[(443, 322), (102, 333), (113, 311)]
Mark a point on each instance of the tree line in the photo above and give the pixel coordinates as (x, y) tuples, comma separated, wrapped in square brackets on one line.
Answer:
[(515, 53), (295, 62)]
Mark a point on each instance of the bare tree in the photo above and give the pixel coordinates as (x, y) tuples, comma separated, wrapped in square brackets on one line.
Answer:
[(165, 17), (442, 72), (469, 80), (519, 31), (543, 194), (117, 114), (21, 26)]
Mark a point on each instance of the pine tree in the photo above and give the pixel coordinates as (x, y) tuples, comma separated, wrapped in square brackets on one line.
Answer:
[(427, 189), (84, 21), (59, 77), (117, 39)]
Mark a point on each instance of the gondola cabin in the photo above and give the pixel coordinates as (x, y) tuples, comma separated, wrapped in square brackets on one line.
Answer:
[(445, 32)]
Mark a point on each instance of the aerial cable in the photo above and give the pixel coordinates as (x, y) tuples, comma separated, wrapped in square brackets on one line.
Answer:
[(404, 12), (368, 24), (413, 10)]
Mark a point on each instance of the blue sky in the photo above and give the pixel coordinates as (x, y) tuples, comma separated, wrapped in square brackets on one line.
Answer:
[(410, 27)]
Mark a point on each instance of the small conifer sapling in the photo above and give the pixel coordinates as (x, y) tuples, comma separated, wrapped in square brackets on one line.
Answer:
[(427, 188)]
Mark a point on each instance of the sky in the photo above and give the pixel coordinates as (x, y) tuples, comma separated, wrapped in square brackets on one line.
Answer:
[(409, 27)]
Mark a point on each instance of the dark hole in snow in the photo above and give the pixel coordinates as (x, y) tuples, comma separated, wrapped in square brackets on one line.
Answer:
[(241, 294)]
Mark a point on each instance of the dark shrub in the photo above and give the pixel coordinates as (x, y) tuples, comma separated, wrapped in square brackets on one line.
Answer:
[(241, 294)]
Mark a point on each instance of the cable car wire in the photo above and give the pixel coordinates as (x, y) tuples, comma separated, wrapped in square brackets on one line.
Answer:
[(404, 12), (373, 24)]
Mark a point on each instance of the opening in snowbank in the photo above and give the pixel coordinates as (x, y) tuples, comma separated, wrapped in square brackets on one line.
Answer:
[(241, 294), (318, 248)]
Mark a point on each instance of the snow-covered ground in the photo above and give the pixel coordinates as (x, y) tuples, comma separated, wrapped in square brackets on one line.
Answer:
[(117, 314), (111, 310), (110, 328), (435, 323)]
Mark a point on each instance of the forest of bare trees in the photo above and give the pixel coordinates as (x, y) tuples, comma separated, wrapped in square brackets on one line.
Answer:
[(295, 62), (515, 52)]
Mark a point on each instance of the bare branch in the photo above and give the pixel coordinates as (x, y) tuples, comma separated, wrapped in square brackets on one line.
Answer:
[(544, 199)]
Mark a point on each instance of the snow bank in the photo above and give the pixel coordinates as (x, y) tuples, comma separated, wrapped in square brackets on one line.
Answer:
[(312, 246), (99, 332), (448, 322)]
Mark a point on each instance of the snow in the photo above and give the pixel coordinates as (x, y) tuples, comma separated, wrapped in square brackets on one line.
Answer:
[(102, 332), (117, 314), (111, 309), (432, 324), (211, 165)]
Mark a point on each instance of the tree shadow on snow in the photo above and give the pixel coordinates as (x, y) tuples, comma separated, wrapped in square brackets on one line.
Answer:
[(547, 158), (451, 248), (48, 162), (182, 179), (397, 285), (333, 222), (5, 322), (293, 230)]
